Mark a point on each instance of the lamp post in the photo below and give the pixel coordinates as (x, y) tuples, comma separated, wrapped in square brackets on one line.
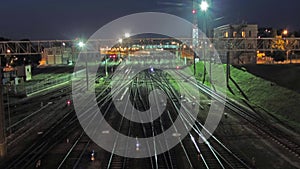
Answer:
[(63, 47), (284, 33), (120, 40), (195, 35), (8, 51), (127, 36), (204, 7), (81, 46), (106, 73)]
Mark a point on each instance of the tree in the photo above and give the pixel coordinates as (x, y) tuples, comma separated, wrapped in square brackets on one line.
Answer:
[(4, 39), (279, 52), (278, 56)]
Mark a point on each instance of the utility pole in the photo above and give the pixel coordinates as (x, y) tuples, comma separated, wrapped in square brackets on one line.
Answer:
[(3, 149)]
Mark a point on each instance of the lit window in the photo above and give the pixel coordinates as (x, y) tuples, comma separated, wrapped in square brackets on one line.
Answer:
[(243, 34), (234, 34), (226, 34)]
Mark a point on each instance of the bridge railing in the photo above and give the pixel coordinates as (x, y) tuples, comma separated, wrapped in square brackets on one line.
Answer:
[(95, 45)]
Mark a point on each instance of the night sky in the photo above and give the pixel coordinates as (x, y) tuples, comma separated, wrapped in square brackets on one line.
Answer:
[(68, 19)]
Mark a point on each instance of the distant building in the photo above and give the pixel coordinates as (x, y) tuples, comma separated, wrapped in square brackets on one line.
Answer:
[(16, 75), (266, 32), (58, 56), (241, 37)]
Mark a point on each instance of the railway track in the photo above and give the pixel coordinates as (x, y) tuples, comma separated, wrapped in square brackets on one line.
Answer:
[(212, 153), (254, 121), (58, 132), (260, 125), (55, 123), (139, 87), (22, 111), (75, 154)]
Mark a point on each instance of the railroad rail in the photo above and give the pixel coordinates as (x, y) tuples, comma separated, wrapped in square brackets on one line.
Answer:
[(256, 123)]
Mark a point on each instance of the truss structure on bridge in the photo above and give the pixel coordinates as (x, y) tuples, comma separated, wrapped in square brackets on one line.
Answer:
[(220, 44)]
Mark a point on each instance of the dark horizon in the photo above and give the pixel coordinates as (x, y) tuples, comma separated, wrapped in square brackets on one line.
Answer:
[(57, 19)]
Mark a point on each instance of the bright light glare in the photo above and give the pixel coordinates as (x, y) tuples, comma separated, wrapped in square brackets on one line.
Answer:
[(120, 40), (81, 44), (127, 35), (152, 69), (204, 6)]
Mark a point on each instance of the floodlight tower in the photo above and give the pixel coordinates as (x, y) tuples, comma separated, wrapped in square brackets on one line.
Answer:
[(195, 33), (203, 6)]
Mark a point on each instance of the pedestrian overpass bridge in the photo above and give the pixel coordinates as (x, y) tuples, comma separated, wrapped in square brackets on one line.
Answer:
[(58, 51)]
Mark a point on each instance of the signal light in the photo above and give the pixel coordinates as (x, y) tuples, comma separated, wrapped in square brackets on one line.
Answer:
[(194, 11), (151, 69), (93, 156), (68, 102)]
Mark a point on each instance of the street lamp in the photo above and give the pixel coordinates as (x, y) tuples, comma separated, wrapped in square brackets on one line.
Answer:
[(127, 35), (120, 40), (81, 44), (204, 6), (285, 32)]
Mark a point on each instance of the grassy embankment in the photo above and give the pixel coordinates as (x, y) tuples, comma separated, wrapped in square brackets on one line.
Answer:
[(44, 77), (263, 95)]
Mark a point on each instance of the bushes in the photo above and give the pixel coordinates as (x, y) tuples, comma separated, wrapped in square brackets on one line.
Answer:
[(278, 55)]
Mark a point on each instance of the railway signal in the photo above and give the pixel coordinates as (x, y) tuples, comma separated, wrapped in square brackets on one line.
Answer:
[(68, 102), (93, 156), (137, 145)]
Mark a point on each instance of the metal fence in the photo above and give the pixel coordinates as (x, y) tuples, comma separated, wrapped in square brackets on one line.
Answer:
[(46, 84), (23, 90)]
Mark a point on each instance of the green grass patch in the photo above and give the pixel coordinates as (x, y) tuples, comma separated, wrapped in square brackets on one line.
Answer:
[(262, 94), (44, 77)]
